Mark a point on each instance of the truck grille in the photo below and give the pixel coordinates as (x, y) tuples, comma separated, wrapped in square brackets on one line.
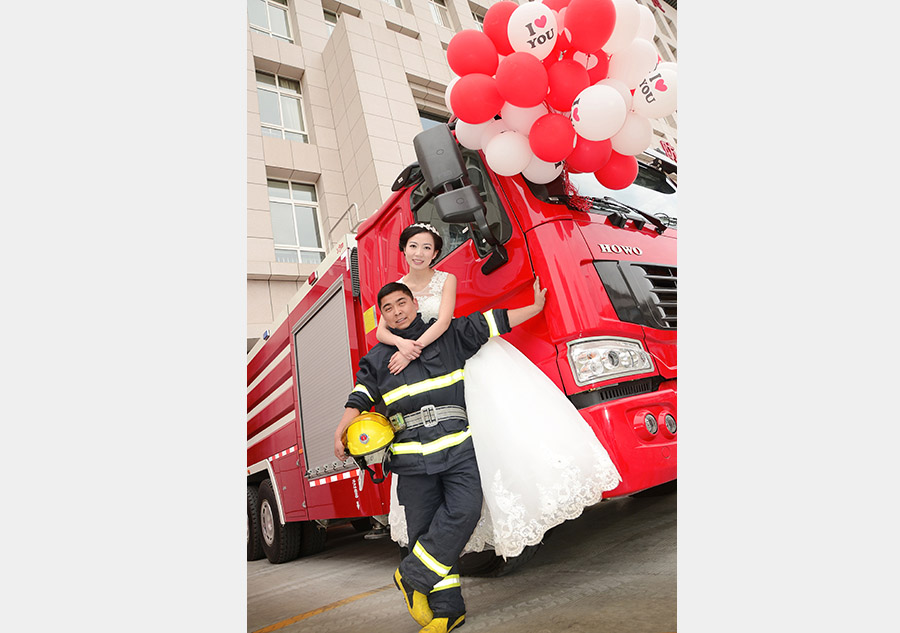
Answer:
[(354, 272), (646, 294), (587, 399), (663, 282)]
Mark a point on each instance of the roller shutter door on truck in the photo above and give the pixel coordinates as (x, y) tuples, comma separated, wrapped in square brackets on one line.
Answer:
[(325, 378)]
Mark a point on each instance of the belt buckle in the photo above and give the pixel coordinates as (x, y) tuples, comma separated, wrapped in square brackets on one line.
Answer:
[(397, 422), (429, 416)]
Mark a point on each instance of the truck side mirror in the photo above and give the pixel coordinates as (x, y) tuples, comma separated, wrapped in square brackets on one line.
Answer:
[(439, 157), (447, 178), (458, 206), (465, 206)]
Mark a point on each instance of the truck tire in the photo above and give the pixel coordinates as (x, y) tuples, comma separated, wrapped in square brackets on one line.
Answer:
[(312, 539), (254, 538), (281, 543), (486, 564)]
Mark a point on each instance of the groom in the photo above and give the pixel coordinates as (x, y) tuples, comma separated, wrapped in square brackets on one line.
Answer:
[(440, 486)]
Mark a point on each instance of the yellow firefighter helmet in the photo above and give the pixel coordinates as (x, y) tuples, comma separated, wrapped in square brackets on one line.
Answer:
[(369, 438)]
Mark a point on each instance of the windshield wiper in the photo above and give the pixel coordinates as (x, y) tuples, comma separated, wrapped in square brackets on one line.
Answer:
[(668, 220), (623, 210)]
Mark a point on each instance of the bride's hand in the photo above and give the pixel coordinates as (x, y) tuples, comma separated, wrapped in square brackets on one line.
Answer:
[(397, 363), (410, 349), (539, 294)]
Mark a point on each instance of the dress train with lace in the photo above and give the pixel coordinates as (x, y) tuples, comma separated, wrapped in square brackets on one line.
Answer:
[(540, 463)]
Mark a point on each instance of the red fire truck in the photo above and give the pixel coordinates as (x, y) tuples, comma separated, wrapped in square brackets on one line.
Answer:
[(606, 338)]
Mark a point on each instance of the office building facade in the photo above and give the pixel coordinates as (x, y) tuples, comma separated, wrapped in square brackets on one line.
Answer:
[(336, 91)]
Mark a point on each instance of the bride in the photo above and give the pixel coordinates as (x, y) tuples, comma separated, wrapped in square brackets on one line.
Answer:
[(540, 463)]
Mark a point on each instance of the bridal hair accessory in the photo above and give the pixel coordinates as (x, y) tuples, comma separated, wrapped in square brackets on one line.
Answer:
[(427, 227)]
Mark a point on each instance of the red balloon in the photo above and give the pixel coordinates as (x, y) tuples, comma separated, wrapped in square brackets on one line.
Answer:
[(566, 79), (474, 98), (619, 172), (564, 39), (495, 22), (590, 23), (588, 156), (472, 51), (597, 63), (552, 137), (599, 71), (562, 43), (522, 80), (557, 5)]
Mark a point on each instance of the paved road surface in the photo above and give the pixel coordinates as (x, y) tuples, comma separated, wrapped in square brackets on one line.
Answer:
[(612, 569)]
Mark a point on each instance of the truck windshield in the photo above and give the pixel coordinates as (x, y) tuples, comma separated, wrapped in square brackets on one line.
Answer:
[(651, 192)]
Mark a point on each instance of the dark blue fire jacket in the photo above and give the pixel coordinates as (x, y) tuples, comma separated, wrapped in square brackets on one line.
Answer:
[(436, 378)]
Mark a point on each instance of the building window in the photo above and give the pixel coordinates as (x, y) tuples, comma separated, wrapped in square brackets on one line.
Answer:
[(479, 20), (295, 222), (331, 19), (270, 17), (394, 3), (429, 120), (439, 12), (280, 107)]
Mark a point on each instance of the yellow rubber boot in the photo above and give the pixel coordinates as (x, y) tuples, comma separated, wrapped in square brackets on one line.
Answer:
[(416, 601), (443, 625)]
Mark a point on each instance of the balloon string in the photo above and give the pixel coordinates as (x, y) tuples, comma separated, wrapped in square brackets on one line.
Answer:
[(579, 202)]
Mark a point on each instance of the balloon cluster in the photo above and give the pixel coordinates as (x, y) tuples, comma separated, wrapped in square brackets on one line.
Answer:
[(574, 82)]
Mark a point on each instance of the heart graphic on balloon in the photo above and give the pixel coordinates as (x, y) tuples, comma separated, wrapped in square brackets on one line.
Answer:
[(660, 85), (540, 22), (575, 114), (586, 59)]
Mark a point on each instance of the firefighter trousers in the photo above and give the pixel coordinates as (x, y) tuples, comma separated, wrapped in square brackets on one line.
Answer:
[(442, 511)]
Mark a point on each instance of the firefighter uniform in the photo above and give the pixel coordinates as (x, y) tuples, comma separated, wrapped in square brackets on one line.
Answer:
[(439, 485)]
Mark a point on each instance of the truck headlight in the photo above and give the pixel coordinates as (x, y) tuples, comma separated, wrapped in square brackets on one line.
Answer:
[(602, 358)]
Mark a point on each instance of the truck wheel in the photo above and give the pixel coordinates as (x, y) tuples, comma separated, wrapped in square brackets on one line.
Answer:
[(254, 539), (281, 543), (312, 540), (488, 565)]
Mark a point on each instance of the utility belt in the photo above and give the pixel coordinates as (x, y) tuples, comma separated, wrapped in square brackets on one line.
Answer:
[(427, 416)]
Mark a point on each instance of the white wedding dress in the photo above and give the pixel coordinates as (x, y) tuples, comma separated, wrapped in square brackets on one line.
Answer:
[(540, 463)]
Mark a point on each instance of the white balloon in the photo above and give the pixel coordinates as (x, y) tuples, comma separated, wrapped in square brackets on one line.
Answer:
[(628, 19), (469, 134), (647, 28), (621, 87), (508, 153), (541, 172), (491, 129), (532, 29), (657, 95), (521, 119), (670, 65), (634, 137), (631, 64), (447, 92), (598, 112)]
